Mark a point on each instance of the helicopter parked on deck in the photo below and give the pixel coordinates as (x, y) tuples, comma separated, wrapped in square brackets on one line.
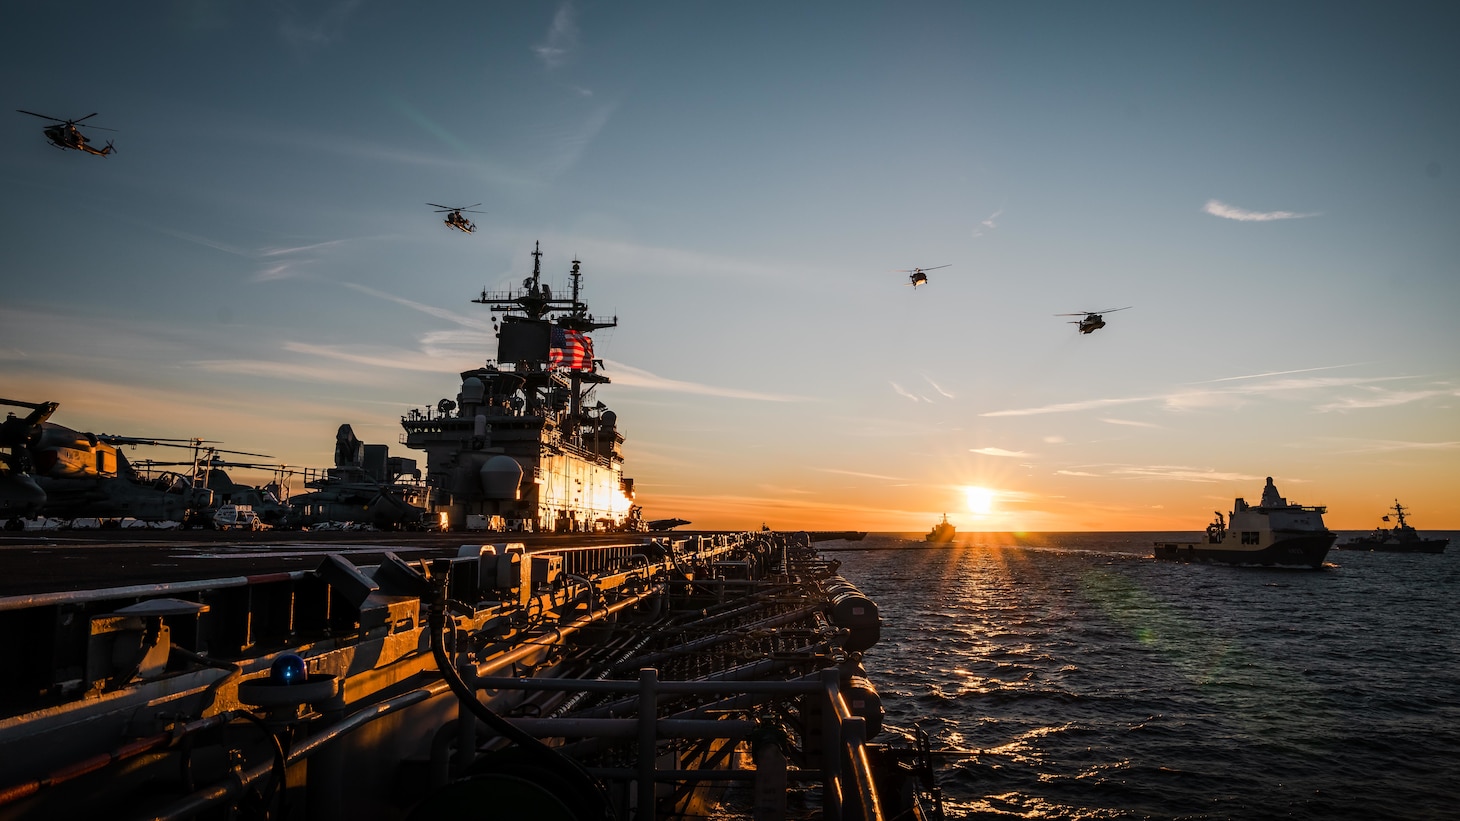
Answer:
[(919, 276), (269, 501), (82, 475), (65, 134), (20, 494), (454, 218), (1093, 320), (367, 486)]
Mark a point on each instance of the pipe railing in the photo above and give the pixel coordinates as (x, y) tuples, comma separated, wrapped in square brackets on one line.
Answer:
[(848, 789)]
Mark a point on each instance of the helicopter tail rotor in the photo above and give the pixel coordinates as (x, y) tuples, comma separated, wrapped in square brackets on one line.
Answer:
[(110, 149)]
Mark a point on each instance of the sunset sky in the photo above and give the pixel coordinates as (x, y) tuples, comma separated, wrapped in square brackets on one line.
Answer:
[(1274, 189)]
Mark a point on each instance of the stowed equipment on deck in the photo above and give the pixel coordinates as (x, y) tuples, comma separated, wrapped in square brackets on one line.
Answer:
[(640, 680)]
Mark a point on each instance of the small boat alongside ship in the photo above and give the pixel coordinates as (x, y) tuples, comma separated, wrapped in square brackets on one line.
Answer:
[(1402, 538), (942, 532), (1274, 533)]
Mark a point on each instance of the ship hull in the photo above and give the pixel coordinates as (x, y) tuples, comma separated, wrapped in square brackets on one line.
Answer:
[(1293, 551), (1421, 546)]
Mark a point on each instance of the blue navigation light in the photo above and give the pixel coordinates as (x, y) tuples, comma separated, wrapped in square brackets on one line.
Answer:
[(288, 669)]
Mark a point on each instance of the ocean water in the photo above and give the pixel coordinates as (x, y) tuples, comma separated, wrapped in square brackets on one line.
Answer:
[(1071, 676)]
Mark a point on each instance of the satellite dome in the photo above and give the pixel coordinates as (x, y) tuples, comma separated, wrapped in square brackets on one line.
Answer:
[(500, 477), (472, 390)]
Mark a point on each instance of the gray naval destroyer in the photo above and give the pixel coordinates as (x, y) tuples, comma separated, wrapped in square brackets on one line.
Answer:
[(525, 446)]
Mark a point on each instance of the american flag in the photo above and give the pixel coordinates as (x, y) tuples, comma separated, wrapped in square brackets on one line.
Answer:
[(571, 349)]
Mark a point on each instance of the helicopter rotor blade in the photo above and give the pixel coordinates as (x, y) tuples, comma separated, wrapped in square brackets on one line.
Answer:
[(241, 453), (87, 117), (42, 116), (137, 440)]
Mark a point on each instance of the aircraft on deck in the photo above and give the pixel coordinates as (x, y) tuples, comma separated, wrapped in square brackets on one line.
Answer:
[(85, 475), (366, 486)]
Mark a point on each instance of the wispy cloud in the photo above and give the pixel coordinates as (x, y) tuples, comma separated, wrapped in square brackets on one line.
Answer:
[(781, 490), (1189, 399), (299, 249), (323, 30), (1274, 373), (1392, 445), (1000, 452), (206, 242), (676, 263), (291, 372), (380, 358), (1231, 212), (627, 376), (939, 388), (1075, 473), (988, 223), (557, 47), (1067, 407), (1374, 396), (1129, 423), (859, 475), (281, 262), (567, 145), (440, 313), (1176, 473), (903, 392)]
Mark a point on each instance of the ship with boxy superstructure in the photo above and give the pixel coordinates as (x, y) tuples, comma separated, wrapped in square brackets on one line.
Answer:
[(1274, 533), (525, 446)]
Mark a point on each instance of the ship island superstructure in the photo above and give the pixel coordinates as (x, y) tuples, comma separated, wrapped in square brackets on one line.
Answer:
[(525, 446)]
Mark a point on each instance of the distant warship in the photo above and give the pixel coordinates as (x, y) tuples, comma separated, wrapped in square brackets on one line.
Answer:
[(942, 532), (1402, 538), (524, 446)]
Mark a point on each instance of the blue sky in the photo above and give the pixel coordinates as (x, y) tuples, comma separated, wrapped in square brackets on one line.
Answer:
[(1272, 187)]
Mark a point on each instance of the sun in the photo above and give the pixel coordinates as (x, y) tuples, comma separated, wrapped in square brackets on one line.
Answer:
[(980, 500)]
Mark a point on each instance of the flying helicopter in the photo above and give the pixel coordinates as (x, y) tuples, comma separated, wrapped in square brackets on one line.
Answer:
[(919, 276), (454, 218), (1093, 320), (65, 134)]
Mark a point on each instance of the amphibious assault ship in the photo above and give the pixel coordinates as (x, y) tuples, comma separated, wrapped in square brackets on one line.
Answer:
[(580, 676), (524, 446)]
